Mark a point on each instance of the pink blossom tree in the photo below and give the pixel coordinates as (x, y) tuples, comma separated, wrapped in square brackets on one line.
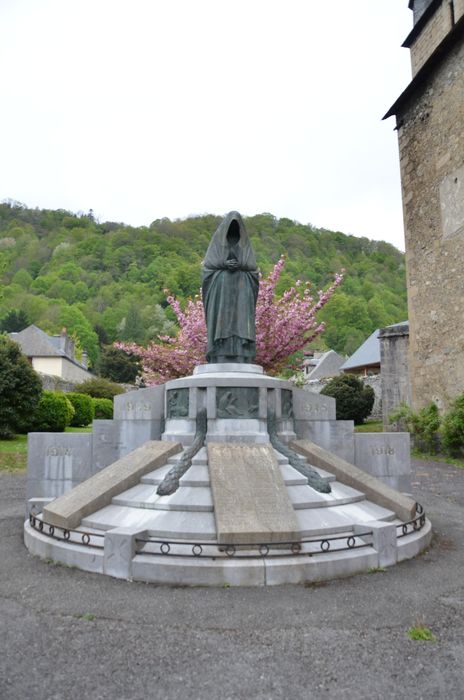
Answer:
[(283, 326)]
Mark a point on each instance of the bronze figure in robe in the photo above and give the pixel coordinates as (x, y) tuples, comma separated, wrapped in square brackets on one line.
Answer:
[(230, 289)]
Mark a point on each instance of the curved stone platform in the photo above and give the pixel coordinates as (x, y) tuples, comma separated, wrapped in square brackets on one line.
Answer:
[(173, 539)]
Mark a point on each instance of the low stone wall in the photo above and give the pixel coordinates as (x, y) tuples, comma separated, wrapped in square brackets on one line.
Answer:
[(375, 382), (51, 383)]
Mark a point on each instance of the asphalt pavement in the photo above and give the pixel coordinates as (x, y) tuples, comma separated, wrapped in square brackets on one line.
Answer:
[(68, 634)]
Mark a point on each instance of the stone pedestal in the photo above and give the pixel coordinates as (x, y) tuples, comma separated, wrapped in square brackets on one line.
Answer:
[(237, 398)]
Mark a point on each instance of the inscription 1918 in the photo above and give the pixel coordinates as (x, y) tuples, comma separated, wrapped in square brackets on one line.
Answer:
[(383, 450)]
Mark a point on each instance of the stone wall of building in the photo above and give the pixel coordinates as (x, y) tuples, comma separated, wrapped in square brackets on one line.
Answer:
[(431, 35), (431, 143)]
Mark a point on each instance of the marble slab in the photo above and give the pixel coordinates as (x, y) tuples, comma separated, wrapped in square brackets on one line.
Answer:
[(251, 503), (374, 489)]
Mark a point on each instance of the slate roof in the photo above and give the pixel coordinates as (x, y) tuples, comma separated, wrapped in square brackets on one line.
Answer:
[(367, 354), (35, 342), (328, 365)]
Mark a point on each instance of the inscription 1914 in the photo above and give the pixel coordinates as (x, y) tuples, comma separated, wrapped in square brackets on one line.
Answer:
[(59, 452)]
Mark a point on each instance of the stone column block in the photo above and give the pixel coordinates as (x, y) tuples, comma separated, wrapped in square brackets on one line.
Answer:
[(386, 456), (134, 433), (140, 404), (57, 462), (384, 540), (119, 550), (336, 436), (106, 443), (307, 405)]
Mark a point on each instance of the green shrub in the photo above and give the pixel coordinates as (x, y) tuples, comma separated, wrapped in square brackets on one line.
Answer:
[(83, 409), (453, 428), (99, 388), (54, 413), (103, 408), (423, 425), (20, 389), (354, 400)]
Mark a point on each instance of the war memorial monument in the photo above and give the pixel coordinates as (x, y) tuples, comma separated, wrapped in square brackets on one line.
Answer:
[(227, 476)]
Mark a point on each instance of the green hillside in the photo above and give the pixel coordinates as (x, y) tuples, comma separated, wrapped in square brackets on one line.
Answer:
[(106, 281)]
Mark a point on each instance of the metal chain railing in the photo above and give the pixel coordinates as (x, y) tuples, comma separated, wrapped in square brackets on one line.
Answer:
[(238, 550)]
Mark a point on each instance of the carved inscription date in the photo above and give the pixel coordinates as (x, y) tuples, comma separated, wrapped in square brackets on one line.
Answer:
[(58, 451), (383, 450)]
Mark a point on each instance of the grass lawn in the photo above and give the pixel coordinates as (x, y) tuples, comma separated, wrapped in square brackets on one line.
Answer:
[(437, 458), (13, 453), (88, 429), (370, 426)]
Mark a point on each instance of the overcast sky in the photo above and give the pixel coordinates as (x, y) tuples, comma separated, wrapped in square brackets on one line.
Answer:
[(141, 109)]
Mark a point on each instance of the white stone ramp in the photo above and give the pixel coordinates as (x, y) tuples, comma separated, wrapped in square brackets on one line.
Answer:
[(251, 502), (374, 489), (92, 494)]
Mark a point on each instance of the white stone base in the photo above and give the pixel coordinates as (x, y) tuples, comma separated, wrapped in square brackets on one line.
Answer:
[(188, 517)]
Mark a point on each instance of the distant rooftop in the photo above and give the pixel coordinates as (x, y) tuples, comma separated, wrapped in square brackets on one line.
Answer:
[(369, 352), (34, 342)]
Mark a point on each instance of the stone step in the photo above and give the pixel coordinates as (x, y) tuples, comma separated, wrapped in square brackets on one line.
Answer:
[(186, 498), (168, 524), (325, 521), (305, 497), (194, 525), (198, 498), (198, 475)]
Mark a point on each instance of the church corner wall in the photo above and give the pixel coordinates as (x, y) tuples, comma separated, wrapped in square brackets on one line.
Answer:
[(431, 144), (431, 36)]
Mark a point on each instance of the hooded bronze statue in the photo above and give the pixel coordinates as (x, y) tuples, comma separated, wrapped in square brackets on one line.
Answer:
[(230, 289)]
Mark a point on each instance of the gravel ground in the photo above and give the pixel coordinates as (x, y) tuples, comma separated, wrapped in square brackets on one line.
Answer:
[(73, 635)]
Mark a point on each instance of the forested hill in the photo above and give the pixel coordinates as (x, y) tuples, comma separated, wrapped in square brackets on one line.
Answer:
[(106, 281)]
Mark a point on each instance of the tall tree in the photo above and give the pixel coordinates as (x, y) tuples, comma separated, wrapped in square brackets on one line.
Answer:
[(15, 320)]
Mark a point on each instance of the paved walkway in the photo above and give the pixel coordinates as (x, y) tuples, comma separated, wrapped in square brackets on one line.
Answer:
[(73, 635)]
